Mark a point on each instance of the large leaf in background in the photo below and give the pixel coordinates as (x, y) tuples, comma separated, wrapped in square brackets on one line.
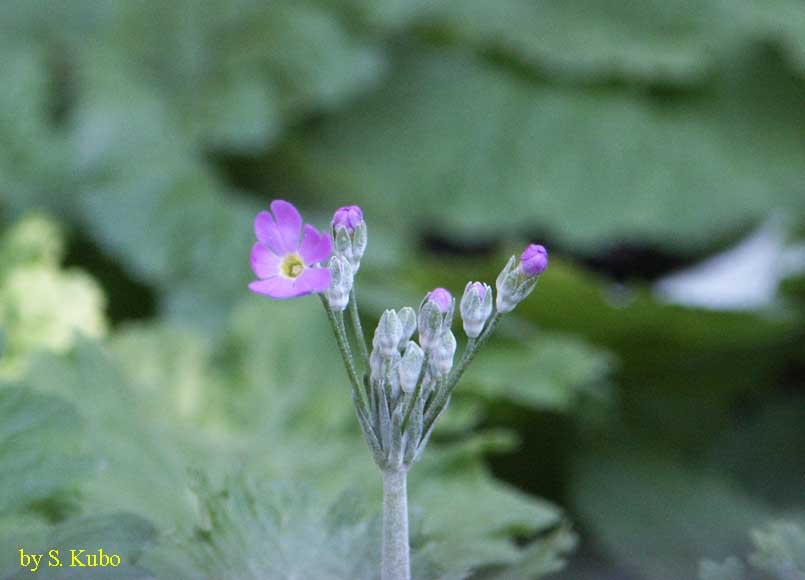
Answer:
[(657, 516), (235, 72), (232, 74), (41, 448), (453, 142), (782, 21), (674, 41), (34, 156), (677, 42)]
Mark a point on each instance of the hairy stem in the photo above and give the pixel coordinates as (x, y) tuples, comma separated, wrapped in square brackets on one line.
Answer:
[(473, 346), (337, 322), (395, 559), (357, 327)]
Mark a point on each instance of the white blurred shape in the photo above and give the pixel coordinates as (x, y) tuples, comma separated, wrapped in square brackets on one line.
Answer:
[(745, 277)]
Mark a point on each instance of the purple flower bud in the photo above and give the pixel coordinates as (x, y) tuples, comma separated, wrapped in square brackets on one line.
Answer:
[(348, 216), (435, 316), (441, 298), (534, 260), (479, 288)]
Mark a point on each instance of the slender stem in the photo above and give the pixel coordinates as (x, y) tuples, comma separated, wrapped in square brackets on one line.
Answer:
[(337, 322), (473, 346), (395, 558), (357, 327)]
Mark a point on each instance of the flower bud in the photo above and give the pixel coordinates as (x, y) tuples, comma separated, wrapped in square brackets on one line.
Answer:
[(348, 217), (435, 316), (534, 260), (441, 358), (340, 283), (517, 281), (410, 367), (476, 307), (349, 233), (442, 298), (387, 334), (407, 316)]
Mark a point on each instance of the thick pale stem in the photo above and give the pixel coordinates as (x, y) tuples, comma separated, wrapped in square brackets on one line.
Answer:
[(395, 559)]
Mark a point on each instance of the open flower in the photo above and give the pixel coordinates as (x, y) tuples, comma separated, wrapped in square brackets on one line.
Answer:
[(287, 265)]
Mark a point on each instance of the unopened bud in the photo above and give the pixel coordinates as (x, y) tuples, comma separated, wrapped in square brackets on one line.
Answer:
[(387, 334), (435, 316), (534, 260), (349, 233), (441, 357), (518, 280), (340, 283), (410, 367), (476, 307), (407, 316)]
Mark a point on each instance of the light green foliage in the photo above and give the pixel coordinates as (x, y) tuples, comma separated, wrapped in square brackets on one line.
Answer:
[(163, 402), (34, 290)]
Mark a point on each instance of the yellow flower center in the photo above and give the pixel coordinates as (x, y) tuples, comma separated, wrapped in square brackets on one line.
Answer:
[(292, 266)]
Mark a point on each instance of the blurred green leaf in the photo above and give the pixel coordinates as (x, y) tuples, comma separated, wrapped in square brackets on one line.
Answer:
[(658, 516), (41, 451), (447, 131), (764, 452), (662, 42), (550, 372)]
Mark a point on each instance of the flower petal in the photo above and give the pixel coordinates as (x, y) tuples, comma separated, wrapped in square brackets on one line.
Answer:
[(267, 232), (276, 287), (313, 280), (315, 246), (289, 223), (265, 263)]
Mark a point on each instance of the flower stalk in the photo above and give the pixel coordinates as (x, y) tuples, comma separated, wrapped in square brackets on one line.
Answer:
[(395, 555), (360, 338), (403, 386)]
